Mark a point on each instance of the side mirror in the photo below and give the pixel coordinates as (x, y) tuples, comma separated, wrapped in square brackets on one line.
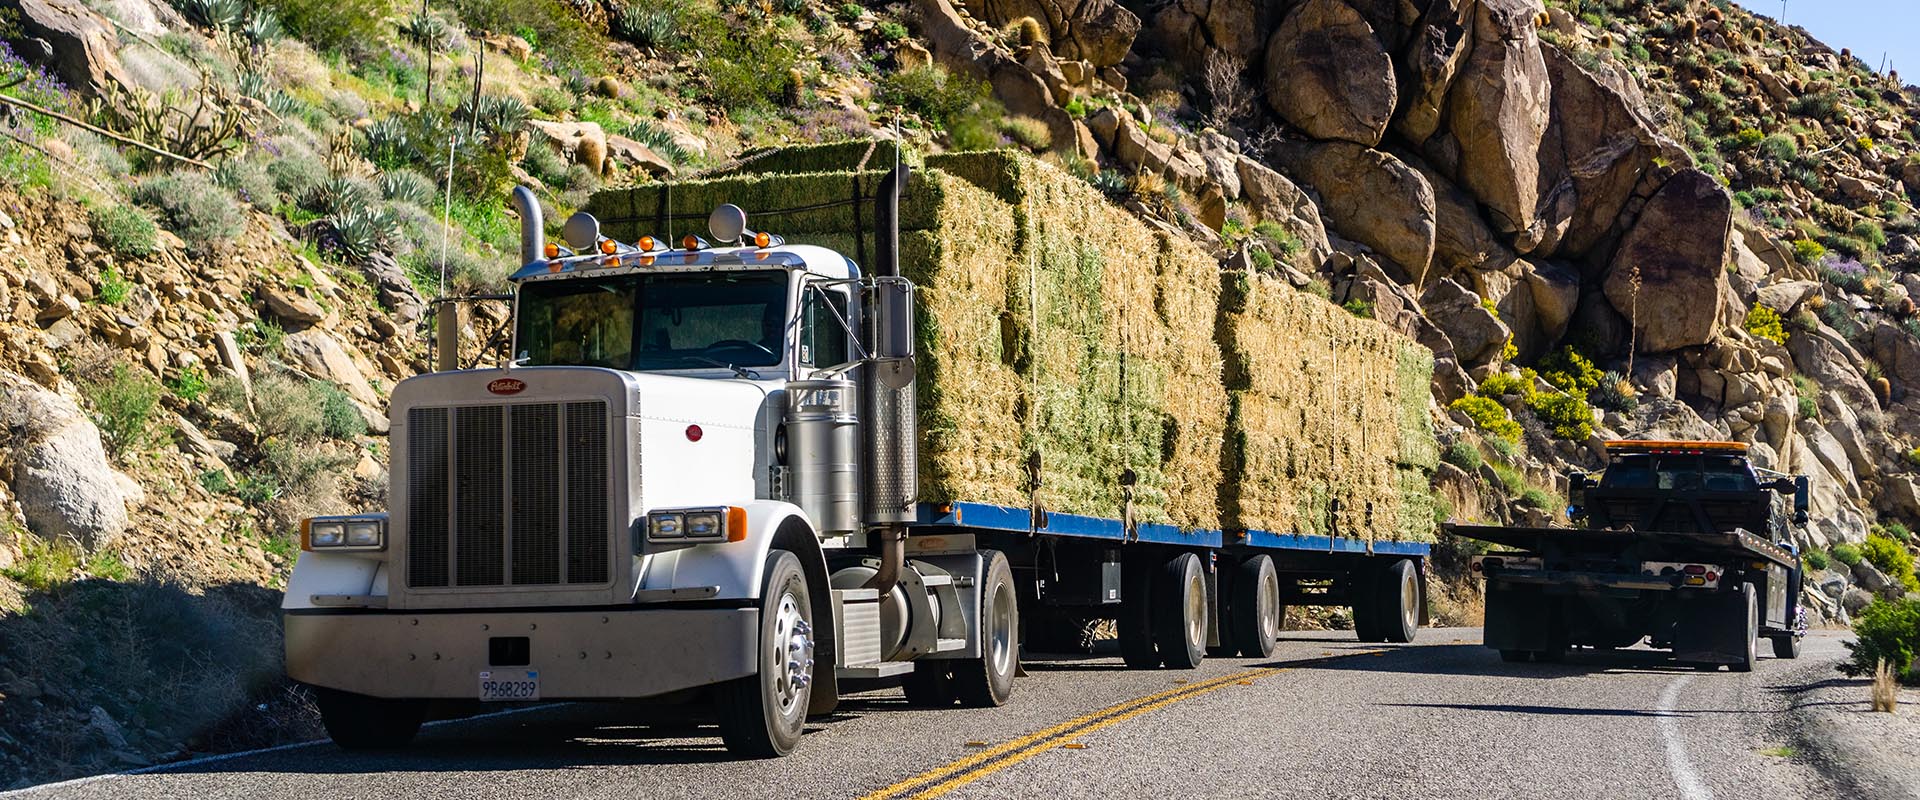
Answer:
[(892, 324), (1577, 485), (1784, 486), (1802, 500)]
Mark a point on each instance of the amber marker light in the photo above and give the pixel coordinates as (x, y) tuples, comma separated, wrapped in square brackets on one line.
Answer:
[(690, 242), (646, 243), (609, 246), (762, 239), (551, 250), (736, 524)]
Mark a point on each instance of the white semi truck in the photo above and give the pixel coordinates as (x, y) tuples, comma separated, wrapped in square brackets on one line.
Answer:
[(696, 483)]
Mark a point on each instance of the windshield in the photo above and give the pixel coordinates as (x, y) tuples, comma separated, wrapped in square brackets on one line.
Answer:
[(658, 321), (1681, 472)]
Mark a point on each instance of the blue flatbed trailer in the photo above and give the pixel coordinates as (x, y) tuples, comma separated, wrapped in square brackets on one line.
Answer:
[(1159, 581)]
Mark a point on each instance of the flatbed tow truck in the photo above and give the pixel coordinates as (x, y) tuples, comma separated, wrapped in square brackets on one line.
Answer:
[(1684, 544)]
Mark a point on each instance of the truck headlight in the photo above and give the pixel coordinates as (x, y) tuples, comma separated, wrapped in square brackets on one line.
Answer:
[(666, 525), (349, 533), (704, 524), (721, 524)]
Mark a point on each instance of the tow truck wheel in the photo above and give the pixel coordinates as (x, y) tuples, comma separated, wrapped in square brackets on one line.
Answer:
[(1751, 605), (359, 722), (987, 681), (1516, 656), (1256, 607), (1135, 624), (929, 685), (1180, 612), (761, 715), (1398, 608)]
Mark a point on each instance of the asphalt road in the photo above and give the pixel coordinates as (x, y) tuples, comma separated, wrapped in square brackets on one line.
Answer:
[(1327, 717)]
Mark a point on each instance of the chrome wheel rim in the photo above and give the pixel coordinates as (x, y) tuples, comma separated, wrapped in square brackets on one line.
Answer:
[(1269, 608), (1196, 602), (1000, 643), (1410, 600), (792, 654)]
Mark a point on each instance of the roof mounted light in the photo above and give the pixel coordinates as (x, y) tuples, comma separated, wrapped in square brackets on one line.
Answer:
[(582, 231), (551, 250), (692, 242), (727, 223)]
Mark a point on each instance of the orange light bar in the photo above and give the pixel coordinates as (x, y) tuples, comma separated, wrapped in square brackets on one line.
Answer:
[(609, 246), (646, 243), (736, 524), (762, 239), (690, 242), (1639, 445), (551, 250)]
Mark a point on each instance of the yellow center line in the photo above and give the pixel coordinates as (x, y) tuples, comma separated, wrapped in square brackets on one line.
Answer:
[(967, 770)]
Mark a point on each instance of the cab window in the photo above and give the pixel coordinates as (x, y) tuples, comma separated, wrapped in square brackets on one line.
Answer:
[(823, 339)]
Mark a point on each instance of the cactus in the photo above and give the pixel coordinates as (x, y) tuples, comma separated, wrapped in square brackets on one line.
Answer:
[(1606, 41), (1883, 391), (1715, 15), (210, 124), (1690, 30), (796, 87), (1542, 20), (1028, 32)]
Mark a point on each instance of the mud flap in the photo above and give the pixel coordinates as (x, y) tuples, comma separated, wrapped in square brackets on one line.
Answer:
[(1521, 617), (1711, 628)]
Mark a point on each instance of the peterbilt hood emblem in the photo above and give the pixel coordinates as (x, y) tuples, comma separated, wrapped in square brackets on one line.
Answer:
[(506, 386)]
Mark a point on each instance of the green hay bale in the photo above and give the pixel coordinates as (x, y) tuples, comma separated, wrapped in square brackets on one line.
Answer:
[(852, 155), (788, 205)]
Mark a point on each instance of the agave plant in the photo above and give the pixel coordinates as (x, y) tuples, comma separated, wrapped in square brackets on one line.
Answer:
[(261, 27), (498, 116), (386, 141), (365, 230), (220, 15), (339, 195), (406, 186), (646, 25), (428, 32)]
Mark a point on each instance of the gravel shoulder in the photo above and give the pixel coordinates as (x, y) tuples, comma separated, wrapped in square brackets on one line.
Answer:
[(1873, 756)]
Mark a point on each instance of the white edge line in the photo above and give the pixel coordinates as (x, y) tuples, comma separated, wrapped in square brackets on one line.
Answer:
[(1685, 776), (214, 759)]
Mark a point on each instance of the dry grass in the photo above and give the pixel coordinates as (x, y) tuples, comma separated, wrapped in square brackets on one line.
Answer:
[(1884, 693)]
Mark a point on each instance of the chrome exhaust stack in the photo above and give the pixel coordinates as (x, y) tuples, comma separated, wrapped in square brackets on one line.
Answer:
[(891, 438)]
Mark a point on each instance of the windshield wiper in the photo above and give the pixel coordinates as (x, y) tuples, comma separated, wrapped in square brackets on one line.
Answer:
[(740, 372)]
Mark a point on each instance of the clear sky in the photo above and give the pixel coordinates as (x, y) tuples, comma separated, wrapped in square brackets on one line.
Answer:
[(1869, 27)]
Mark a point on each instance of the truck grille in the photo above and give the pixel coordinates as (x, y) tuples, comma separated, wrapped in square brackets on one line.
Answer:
[(507, 495)]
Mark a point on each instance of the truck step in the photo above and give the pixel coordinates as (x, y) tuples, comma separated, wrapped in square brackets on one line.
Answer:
[(949, 645), (883, 669), (936, 580)]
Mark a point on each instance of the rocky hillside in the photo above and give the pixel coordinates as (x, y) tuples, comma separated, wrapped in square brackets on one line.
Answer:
[(1605, 217)]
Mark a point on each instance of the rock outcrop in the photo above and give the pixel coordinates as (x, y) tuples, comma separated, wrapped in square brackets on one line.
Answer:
[(1669, 274), (62, 478), (1328, 74)]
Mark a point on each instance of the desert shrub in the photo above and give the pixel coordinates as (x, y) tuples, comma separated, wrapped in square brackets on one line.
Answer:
[(1359, 308), (1765, 323), (955, 103), (1809, 251), (1262, 260), (1616, 393), (1464, 455), (338, 24), (203, 214), (1846, 553), (1501, 384), (296, 171), (1568, 416), (1898, 531), (123, 403), (43, 565), (544, 163), (659, 139), (1569, 371), (1027, 132), (1746, 137), (127, 230), (1892, 558), (1808, 393), (1536, 497), (114, 287), (1816, 560), (1886, 630), (551, 26), (250, 181), (1871, 233), (1780, 147), (190, 385), (1489, 416)]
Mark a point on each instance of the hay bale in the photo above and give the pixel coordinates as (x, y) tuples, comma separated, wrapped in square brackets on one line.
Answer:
[(1328, 431), (790, 205), (852, 155)]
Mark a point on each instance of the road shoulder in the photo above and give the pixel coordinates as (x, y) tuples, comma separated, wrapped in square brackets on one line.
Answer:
[(1876, 755)]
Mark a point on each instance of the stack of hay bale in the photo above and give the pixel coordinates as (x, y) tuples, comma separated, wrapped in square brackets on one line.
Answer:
[(1060, 332)]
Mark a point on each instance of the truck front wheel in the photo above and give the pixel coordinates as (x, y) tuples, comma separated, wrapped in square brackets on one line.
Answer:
[(359, 722), (987, 681), (762, 715)]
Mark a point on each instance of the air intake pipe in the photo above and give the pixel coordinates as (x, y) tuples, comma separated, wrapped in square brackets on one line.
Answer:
[(532, 225), (891, 439)]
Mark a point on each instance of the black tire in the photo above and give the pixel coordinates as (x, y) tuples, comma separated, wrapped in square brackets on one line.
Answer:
[(987, 681), (1364, 591), (1786, 646), (1750, 605), (358, 722), (929, 685), (1180, 607), (763, 715), (1398, 620), (1256, 609), (1516, 656), (1135, 623)]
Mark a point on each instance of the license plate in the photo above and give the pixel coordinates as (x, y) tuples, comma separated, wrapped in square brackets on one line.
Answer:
[(498, 686)]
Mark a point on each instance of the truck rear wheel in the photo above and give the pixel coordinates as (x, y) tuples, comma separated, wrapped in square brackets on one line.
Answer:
[(1398, 609), (358, 722), (1180, 612), (987, 681), (1135, 624), (1255, 611), (1751, 607), (762, 715)]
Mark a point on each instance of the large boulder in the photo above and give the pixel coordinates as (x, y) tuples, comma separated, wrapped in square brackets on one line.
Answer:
[(1273, 198), (1822, 359), (1669, 273), (1099, 32), (1462, 240), (1595, 150), (322, 357), (1193, 29), (1477, 334), (1370, 197), (82, 43), (1440, 43), (1497, 112), (61, 476), (1556, 295), (1328, 75)]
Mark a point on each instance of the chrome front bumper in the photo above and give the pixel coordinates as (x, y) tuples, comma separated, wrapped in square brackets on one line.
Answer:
[(580, 654)]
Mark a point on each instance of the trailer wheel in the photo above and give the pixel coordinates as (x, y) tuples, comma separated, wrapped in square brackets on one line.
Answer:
[(1135, 623), (358, 722), (762, 715), (1256, 608), (1180, 612), (1751, 653), (1397, 613), (987, 681), (929, 685)]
